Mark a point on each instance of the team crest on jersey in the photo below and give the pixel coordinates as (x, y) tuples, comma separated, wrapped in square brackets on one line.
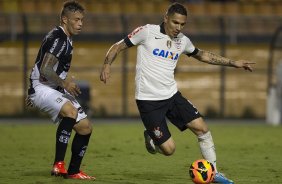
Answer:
[(168, 44), (177, 43)]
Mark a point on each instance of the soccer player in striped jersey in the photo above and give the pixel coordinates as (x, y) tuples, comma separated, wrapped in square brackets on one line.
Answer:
[(156, 93), (51, 92)]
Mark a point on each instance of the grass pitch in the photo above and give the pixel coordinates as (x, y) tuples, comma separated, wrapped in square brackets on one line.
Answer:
[(247, 153)]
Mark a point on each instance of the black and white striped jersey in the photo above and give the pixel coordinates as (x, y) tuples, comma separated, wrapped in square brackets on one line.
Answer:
[(59, 44)]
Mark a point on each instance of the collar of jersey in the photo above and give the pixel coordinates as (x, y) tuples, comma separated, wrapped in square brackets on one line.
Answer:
[(69, 39)]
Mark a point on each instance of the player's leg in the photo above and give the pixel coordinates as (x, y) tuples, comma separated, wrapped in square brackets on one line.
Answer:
[(200, 129), (63, 108), (182, 111), (167, 148), (56, 105), (183, 114), (159, 140), (157, 135), (60, 109), (83, 129), (80, 142), (68, 114)]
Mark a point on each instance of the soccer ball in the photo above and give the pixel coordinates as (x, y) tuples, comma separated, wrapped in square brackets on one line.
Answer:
[(202, 171)]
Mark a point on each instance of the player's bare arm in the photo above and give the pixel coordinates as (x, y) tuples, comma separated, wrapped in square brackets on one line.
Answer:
[(214, 59), (48, 72), (110, 57)]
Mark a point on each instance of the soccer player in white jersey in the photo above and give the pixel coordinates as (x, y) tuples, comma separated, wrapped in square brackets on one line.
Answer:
[(52, 93), (157, 96)]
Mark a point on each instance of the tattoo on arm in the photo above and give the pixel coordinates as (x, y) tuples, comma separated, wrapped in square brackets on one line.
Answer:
[(110, 57), (114, 51), (47, 71), (214, 59)]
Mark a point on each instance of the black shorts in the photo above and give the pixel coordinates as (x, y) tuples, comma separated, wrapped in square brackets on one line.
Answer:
[(154, 113)]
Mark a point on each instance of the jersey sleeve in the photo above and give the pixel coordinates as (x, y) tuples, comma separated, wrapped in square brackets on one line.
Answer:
[(56, 46), (138, 36), (190, 49)]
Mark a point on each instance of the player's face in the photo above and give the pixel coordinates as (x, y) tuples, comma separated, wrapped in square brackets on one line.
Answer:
[(74, 21), (174, 24)]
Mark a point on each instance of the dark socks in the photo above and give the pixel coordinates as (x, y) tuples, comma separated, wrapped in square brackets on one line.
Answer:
[(79, 146), (62, 137)]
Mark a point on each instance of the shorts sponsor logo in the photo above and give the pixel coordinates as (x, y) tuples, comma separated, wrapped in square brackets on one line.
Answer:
[(80, 110), (59, 100), (158, 133)]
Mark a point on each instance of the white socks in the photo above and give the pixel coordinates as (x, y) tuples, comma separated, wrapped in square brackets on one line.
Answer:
[(207, 148)]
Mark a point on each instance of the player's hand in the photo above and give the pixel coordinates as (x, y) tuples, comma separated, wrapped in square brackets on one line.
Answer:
[(247, 65), (28, 102), (71, 87), (105, 73)]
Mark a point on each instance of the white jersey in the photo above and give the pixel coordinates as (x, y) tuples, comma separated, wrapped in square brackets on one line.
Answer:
[(157, 56)]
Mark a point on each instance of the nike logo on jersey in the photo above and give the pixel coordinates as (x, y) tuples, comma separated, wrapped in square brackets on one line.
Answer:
[(165, 54)]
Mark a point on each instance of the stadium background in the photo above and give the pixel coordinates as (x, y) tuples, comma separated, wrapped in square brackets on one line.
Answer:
[(237, 29)]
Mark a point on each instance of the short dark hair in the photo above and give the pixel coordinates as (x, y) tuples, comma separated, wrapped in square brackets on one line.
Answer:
[(176, 8), (71, 6)]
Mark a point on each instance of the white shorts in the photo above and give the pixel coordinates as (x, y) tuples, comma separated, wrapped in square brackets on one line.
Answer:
[(50, 101)]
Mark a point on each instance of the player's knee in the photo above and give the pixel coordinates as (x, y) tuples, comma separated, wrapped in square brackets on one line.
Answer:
[(72, 113), (83, 127), (168, 148), (204, 130), (68, 110), (168, 151), (198, 126), (88, 128)]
